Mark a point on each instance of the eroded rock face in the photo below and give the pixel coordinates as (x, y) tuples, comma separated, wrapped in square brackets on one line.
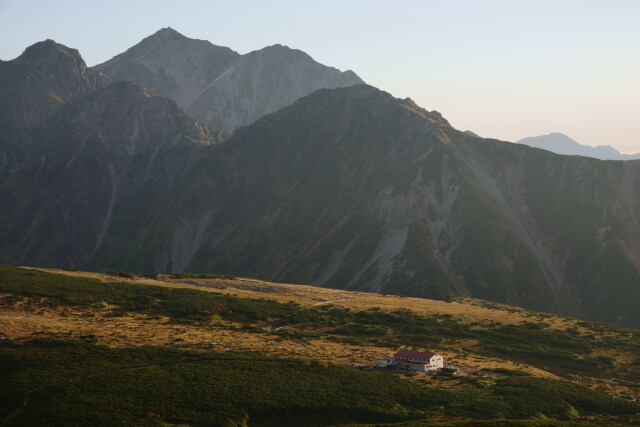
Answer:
[(222, 88)]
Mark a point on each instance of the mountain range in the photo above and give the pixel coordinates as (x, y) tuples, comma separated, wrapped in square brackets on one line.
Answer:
[(217, 85), (561, 144), (345, 187)]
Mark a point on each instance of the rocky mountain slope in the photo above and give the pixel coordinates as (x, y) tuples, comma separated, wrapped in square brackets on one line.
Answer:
[(219, 86), (89, 158), (351, 188), (44, 77), (346, 188), (561, 144)]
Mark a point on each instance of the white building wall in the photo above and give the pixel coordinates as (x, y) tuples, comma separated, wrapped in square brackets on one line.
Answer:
[(437, 362)]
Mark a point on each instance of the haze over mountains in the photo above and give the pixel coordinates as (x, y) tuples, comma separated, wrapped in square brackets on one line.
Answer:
[(346, 187), (562, 144), (217, 85)]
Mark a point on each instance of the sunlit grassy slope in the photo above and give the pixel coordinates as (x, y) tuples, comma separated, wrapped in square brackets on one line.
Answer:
[(195, 351)]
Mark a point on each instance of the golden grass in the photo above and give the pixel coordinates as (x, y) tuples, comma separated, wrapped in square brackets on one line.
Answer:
[(138, 330), (468, 311)]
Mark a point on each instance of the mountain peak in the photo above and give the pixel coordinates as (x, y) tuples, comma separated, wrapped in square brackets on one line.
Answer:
[(47, 51), (216, 84), (166, 42), (559, 136), (279, 51), (278, 46), (471, 133), (44, 77), (168, 33)]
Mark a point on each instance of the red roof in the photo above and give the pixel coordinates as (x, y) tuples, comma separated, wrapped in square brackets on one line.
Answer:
[(415, 354)]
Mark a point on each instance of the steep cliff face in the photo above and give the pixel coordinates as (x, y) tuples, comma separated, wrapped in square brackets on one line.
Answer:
[(217, 85)]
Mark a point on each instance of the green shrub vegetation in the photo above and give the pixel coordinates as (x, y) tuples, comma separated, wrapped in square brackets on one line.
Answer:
[(125, 274), (203, 276), (557, 351), (181, 304), (96, 385), (74, 383)]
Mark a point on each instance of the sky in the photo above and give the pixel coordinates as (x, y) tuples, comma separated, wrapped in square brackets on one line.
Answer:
[(502, 69)]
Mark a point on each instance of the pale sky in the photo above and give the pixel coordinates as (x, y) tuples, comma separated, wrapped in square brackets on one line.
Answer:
[(503, 69)]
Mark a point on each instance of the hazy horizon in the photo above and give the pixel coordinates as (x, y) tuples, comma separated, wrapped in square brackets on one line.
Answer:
[(500, 69)]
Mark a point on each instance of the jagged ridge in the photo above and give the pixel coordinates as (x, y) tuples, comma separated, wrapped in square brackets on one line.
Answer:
[(219, 86)]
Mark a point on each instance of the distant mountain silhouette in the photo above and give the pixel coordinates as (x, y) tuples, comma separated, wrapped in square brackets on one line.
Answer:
[(561, 144)]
